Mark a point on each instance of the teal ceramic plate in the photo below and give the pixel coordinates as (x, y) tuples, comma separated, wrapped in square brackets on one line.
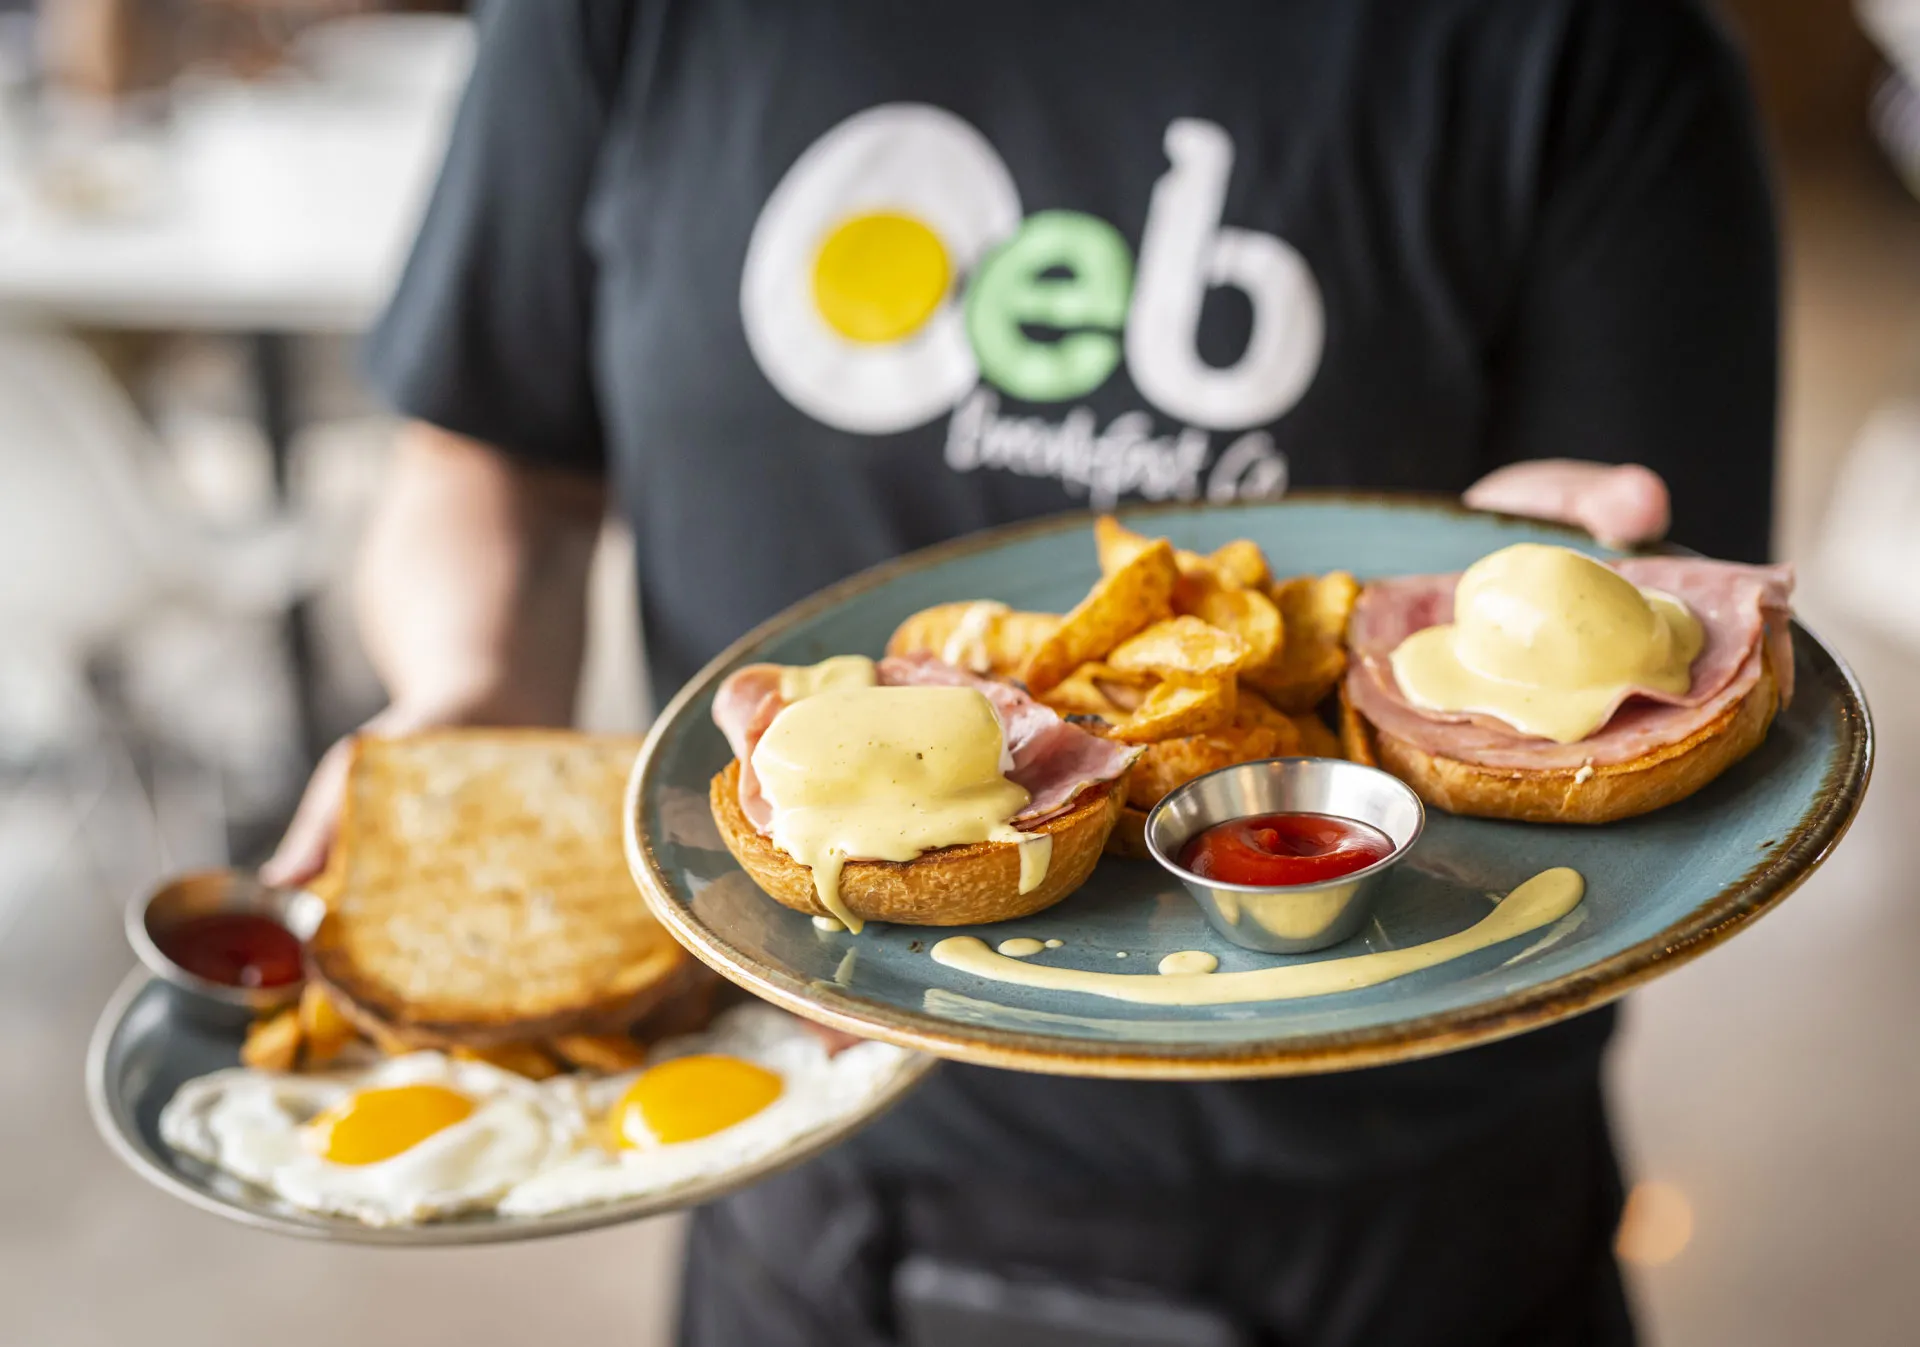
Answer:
[(1660, 889)]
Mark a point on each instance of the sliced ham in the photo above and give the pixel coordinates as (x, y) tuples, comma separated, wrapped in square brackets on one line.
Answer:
[(744, 706), (1053, 761), (1743, 610)]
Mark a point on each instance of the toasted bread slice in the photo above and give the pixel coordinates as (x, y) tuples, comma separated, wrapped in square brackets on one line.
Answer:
[(478, 895), (1600, 794), (954, 886)]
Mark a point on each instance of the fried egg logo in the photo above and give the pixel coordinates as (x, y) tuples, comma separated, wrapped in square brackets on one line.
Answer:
[(848, 293), (892, 271)]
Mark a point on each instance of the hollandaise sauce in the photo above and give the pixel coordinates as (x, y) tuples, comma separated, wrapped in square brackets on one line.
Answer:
[(886, 774), (1539, 902), (1548, 641), (798, 681), (967, 647)]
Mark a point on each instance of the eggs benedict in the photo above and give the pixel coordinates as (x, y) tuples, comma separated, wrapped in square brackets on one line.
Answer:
[(910, 791), (1542, 684)]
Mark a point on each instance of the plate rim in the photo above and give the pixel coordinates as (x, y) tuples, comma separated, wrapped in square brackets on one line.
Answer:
[(112, 1119), (1708, 924)]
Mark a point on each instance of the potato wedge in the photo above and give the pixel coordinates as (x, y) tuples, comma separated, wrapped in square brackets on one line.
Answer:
[(1174, 709), (1248, 614), (1242, 565), (1234, 566), (1253, 709), (1181, 650), (1316, 740), (324, 1028), (1197, 579), (273, 1044), (523, 1059), (598, 1052), (1017, 636), (982, 636), (1174, 762), (1313, 655), (1116, 544), (1125, 688), (1137, 595), (1129, 835), (385, 1040), (1078, 694)]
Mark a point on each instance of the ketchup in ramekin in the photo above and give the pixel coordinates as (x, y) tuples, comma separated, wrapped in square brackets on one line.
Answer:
[(1278, 850), (234, 949)]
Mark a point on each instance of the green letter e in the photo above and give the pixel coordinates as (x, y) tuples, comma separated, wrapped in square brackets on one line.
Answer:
[(1085, 299)]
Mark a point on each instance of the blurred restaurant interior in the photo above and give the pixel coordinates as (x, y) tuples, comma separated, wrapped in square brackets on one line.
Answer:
[(202, 202)]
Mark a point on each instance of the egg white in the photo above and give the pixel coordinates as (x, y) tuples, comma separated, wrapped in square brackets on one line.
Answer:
[(816, 1091), (250, 1123)]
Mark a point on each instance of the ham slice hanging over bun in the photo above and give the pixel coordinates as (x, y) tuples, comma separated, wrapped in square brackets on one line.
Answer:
[(1743, 612), (1053, 761)]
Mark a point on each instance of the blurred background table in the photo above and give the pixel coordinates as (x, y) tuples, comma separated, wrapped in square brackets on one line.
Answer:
[(262, 211)]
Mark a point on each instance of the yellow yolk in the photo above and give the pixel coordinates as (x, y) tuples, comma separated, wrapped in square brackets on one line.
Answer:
[(375, 1125), (1548, 641), (689, 1098), (880, 276)]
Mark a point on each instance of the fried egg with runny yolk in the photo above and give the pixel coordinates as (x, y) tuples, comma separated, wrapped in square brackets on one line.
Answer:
[(752, 1085), (691, 1097), (402, 1140)]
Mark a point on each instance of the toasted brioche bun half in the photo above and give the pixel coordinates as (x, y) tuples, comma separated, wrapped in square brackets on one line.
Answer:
[(954, 886), (1560, 795)]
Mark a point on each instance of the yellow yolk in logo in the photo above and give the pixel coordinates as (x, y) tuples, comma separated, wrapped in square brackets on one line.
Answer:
[(880, 276), (691, 1097), (375, 1125)]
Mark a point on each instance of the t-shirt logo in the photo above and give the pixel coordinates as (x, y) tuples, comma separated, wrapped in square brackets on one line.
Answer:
[(892, 278)]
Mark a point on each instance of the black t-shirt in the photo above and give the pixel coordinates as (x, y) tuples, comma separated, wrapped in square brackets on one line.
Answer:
[(817, 284)]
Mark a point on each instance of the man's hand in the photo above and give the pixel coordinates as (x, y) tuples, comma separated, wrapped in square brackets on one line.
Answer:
[(1619, 506), (302, 852)]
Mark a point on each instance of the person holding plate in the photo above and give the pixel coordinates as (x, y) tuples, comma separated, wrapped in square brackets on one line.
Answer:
[(798, 288)]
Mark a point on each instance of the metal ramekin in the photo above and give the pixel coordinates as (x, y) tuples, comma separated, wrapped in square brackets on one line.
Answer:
[(200, 894), (1296, 918)]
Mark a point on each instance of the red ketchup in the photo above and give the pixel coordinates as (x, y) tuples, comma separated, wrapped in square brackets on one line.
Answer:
[(234, 949), (1271, 850)]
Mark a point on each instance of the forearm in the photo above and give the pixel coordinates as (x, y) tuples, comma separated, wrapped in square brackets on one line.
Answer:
[(471, 585)]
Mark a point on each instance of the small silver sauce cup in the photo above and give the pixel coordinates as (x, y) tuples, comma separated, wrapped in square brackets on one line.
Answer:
[(202, 894), (1293, 918)]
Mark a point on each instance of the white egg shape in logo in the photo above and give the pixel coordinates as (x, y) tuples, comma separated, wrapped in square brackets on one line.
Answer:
[(848, 293)]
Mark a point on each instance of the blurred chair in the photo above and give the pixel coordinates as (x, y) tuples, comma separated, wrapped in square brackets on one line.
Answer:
[(93, 563)]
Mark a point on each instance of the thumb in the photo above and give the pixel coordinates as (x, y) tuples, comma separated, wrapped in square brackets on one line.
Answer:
[(1619, 505), (302, 852)]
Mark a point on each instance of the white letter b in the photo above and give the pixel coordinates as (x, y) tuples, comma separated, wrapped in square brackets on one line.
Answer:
[(1183, 251)]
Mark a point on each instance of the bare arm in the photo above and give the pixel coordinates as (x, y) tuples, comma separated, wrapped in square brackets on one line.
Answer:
[(471, 587), (471, 596)]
